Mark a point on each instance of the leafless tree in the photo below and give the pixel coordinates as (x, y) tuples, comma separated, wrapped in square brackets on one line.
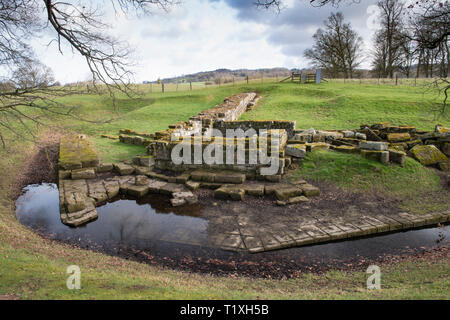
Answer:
[(27, 90), (389, 39), (337, 48)]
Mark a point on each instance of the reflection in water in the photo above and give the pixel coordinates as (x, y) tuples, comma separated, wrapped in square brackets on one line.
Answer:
[(123, 222), (153, 225)]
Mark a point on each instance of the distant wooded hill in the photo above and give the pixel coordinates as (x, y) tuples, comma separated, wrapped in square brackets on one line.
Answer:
[(226, 75)]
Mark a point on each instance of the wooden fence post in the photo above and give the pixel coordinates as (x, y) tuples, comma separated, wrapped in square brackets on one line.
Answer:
[(190, 85), (247, 79), (162, 87)]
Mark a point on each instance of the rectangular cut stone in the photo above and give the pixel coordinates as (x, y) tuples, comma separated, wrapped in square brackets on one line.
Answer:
[(256, 190), (381, 156), (112, 188), (233, 241), (310, 190), (229, 177), (300, 237), (137, 191), (296, 150), (154, 186), (316, 233), (85, 173), (75, 201), (334, 231), (393, 224), (373, 145)]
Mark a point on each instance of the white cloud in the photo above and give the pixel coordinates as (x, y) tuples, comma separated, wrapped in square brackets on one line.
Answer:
[(200, 35)]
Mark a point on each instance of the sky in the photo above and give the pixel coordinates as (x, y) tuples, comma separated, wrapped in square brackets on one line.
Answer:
[(203, 35)]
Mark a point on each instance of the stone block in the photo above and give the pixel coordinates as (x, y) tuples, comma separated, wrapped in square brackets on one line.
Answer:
[(397, 157), (123, 169), (85, 173), (75, 201), (256, 190), (104, 167), (229, 177), (296, 150), (381, 156), (360, 136), (142, 180), (427, 154), (316, 146), (229, 192), (398, 137), (373, 145), (146, 161), (310, 190), (289, 192), (192, 185), (137, 191)]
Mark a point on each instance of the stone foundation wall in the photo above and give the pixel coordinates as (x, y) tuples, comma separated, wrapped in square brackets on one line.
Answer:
[(288, 126)]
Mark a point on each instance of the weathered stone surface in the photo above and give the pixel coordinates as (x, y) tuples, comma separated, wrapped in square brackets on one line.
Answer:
[(75, 201), (142, 180), (79, 218), (75, 186), (256, 190), (180, 198), (373, 145), (322, 136), (427, 154), (296, 150), (397, 157), (230, 192), (123, 169), (192, 185), (300, 199), (273, 178), (97, 191), (201, 175), (64, 174), (210, 185), (182, 178), (310, 190), (269, 189), (170, 188), (398, 137), (104, 167), (360, 136), (381, 156), (288, 192), (75, 153), (137, 191), (146, 161), (316, 146), (348, 133), (85, 173), (155, 186), (112, 188), (229, 177)]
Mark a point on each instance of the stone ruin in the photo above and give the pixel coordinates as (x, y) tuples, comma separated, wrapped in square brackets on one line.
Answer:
[(85, 182)]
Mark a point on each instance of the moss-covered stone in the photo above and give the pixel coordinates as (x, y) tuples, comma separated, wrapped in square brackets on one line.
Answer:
[(398, 137), (427, 154)]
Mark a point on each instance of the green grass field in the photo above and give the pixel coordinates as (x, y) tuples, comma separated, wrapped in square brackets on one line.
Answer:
[(34, 268)]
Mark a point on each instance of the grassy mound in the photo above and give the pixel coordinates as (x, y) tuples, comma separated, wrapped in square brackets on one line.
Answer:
[(414, 184)]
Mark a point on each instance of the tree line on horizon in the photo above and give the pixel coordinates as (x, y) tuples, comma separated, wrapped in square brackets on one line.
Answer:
[(411, 41)]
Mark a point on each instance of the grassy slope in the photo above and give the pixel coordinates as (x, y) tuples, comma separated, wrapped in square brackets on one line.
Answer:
[(31, 267)]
